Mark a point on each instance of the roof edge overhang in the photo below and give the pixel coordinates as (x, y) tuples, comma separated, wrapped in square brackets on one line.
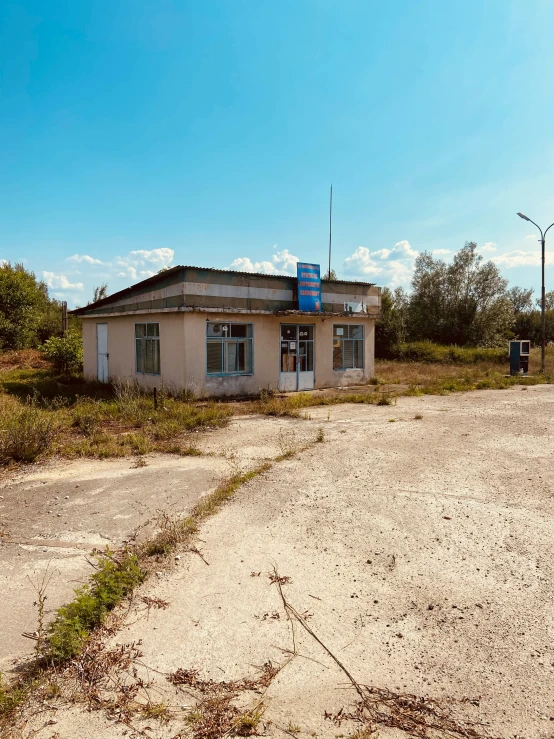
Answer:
[(230, 311)]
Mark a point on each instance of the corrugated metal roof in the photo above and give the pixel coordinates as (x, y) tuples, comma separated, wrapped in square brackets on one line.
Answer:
[(172, 270)]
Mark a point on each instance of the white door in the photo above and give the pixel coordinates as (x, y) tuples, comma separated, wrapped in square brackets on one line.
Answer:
[(102, 351), (296, 357)]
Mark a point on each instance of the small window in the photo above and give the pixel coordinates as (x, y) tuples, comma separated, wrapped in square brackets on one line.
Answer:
[(229, 349), (348, 347), (147, 348)]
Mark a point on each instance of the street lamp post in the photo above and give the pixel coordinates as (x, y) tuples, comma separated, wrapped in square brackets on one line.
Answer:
[(543, 294)]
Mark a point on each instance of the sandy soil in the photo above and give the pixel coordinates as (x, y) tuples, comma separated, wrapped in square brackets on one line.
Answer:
[(421, 551)]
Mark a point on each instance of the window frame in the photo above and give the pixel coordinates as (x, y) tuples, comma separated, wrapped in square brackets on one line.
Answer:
[(342, 339), (227, 340), (145, 339)]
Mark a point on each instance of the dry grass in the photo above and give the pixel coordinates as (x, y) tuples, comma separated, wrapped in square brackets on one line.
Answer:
[(78, 419), (429, 374), (23, 359), (215, 714), (41, 416)]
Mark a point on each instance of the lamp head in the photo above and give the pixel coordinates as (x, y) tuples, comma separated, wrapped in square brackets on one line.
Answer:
[(522, 215)]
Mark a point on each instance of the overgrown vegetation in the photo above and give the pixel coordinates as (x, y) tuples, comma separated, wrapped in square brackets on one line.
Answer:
[(115, 577), (65, 353), (26, 431), (28, 316), (41, 415), (426, 351), (465, 302)]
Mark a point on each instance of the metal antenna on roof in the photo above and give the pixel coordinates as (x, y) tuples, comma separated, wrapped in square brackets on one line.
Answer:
[(330, 228)]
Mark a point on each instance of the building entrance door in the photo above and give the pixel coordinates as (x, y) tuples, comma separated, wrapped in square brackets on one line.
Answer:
[(296, 357), (102, 352)]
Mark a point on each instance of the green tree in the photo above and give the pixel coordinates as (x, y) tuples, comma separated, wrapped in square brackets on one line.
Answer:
[(330, 275), (390, 329), (26, 312), (65, 353), (464, 303), (100, 292), (521, 300)]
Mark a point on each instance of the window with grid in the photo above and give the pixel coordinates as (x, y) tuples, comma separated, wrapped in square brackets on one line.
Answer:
[(147, 348), (348, 347), (229, 348)]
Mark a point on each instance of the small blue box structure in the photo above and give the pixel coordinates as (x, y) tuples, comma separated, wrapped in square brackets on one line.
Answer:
[(519, 357)]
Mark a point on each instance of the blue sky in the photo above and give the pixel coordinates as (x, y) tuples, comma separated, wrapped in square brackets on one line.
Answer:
[(135, 134)]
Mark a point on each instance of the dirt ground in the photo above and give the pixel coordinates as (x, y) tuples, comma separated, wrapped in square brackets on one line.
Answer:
[(420, 551)]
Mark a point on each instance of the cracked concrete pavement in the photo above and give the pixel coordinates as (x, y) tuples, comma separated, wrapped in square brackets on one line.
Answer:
[(421, 549)]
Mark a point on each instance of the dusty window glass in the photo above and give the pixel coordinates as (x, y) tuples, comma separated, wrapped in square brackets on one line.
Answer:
[(147, 348), (229, 348), (348, 347)]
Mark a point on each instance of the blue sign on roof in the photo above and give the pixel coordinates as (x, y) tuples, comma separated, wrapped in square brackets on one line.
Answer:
[(309, 286)]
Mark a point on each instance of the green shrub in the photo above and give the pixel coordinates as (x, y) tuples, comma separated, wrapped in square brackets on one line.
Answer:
[(26, 432), (110, 584), (65, 353), (426, 351)]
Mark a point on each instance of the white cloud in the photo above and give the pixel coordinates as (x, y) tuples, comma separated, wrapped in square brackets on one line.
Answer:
[(533, 236), (441, 252), (488, 246), (78, 258), (519, 258), (391, 266), (143, 263), (60, 282), (3, 262), (283, 263)]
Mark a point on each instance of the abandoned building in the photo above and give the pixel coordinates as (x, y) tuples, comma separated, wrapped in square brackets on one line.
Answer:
[(218, 332)]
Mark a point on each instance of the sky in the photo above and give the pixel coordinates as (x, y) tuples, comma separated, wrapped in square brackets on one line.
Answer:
[(139, 134)]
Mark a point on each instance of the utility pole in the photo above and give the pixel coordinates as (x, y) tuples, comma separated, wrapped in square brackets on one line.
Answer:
[(330, 228), (543, 294), (64, 317)]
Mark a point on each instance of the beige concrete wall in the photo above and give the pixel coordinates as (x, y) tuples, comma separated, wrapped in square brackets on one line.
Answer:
[(267, 338), (89, 349), (183, 351), (121, 348)]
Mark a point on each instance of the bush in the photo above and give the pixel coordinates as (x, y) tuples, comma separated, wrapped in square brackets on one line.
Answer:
[(427, 351), (65, 353), (111, 583), (26, 432)]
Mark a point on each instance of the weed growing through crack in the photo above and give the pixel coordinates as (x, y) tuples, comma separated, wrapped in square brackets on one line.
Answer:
[(115, 577), (40, 589), (320, 435), (215, 714), (156, 711), (286, 441), (12, 696)]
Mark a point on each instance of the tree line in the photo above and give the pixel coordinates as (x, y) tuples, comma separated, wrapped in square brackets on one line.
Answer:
[(28, 315), (466, 302)]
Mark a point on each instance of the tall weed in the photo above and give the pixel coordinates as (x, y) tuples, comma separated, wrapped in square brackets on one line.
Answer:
[(26, 431)]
